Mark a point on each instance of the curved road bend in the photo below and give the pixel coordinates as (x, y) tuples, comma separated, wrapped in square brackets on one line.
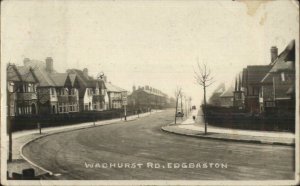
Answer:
[(142, 141)]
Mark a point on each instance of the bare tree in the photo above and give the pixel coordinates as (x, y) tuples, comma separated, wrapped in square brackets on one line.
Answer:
[(178, 93), (204, 79)]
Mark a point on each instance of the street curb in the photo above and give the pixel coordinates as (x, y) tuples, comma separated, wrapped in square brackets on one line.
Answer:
[(58, 132), (227, 139)]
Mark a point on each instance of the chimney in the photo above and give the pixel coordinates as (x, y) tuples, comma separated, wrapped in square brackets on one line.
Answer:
[(274, 53), (86, 72), (133, 88), (26, 61), (49, 64), (146, 87)]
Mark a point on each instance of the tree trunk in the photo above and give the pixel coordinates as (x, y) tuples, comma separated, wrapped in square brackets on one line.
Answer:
[(176, 108), (205, 123)]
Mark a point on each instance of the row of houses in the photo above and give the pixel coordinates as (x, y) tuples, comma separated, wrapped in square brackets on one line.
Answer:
[(147, 97), (262, 89), (37, 88)]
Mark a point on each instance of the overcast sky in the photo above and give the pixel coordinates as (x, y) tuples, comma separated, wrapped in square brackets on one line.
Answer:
[(143, 42)]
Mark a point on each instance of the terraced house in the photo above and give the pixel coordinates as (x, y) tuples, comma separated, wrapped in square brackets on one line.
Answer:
[(146, 98)]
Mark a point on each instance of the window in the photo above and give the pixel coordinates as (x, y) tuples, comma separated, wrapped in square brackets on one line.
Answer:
[(29, 88), (282, 76), (11, 87)]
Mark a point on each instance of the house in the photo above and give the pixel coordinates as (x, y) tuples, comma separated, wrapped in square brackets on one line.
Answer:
[(147, 97), (251, 84), (21, 91), (226, 98), (56, 93), (91, 91), (215, 97), (278, 85), (115, 96)]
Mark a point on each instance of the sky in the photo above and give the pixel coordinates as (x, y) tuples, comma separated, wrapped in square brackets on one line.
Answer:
[(156, 43)]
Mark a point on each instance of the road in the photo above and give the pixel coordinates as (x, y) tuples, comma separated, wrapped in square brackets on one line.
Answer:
[(141, 141)]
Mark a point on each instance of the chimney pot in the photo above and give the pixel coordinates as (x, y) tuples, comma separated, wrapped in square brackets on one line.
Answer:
[(86, 72), (274, 53), (49, 64)]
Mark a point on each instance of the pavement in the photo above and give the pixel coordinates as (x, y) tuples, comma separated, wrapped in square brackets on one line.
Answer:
[(195, 128), (21, 138)]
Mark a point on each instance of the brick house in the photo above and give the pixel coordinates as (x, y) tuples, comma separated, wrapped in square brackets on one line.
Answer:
[(91, 91), (251, 85), (278, 85), (21, 91), (56, 92)]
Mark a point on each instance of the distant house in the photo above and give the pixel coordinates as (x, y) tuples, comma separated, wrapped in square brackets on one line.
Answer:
[(278, 85), (215, 99), (114, 95), (21, 91), (148, 97), (91, 91), (226, 98)]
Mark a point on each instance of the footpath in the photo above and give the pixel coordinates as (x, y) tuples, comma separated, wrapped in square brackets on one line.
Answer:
[(195, 128), (21, 138)]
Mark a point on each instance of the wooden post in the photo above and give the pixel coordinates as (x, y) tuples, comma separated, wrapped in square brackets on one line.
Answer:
[(39, 127), (125, 113)]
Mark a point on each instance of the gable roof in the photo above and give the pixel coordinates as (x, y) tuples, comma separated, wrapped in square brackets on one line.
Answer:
[(61, 79), (21, 73), (228, 92), (83, 81), (284, 62), (254, 74)]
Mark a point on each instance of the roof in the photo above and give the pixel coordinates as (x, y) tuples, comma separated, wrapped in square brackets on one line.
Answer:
[(61, 79), (44, 78), (254, 74), (21, 73), (228, 92), (85, 81), (72, 78), (220, 88), (284, 62), (112, 88)]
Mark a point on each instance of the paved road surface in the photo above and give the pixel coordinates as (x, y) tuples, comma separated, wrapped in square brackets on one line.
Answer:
[(142, 141)]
